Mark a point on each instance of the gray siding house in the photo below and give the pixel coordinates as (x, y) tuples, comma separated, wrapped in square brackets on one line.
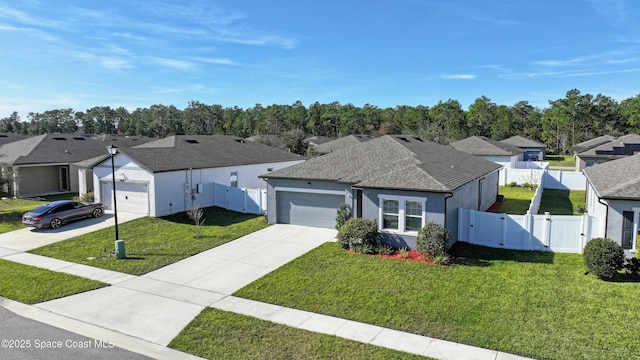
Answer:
[(401, 181), (613, 193)]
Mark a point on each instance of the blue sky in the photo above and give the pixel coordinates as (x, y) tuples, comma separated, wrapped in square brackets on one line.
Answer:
[(81, 54)]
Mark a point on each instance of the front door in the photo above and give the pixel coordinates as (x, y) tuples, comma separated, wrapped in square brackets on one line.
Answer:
[(627, 229), (63, 173)]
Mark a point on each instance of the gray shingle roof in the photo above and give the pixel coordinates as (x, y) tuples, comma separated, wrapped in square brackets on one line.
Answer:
[(58, 148), (617, 179), (481, 146), (522, 142), (182, 152), (608, 147), (341, 143), (393, 162), (6, 138), (586, 145)]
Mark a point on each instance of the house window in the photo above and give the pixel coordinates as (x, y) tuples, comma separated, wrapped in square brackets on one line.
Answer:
[(402, 214), (390, 214), (233, 180), (413, 215)]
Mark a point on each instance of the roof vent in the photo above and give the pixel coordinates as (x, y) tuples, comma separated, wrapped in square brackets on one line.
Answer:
[(78, 138), (241, 141), (403, 138), (417, 138), (192, 141), (59, 138), (3, 135)]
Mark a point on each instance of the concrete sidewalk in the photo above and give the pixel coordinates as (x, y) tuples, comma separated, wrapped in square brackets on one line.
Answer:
[(155, 307)]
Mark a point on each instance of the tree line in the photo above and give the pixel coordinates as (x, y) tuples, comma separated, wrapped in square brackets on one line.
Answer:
[(575, 118)]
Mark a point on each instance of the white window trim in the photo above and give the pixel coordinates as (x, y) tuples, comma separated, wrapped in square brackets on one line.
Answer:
[(401, 213), (636, 227)]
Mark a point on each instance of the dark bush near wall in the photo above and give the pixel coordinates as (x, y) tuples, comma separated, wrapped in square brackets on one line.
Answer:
[(433, 239), (344, 214), (603, 257), (359, 235)]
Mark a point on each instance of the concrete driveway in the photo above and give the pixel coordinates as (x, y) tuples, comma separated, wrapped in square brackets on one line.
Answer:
[(28, 238), (155, 307)]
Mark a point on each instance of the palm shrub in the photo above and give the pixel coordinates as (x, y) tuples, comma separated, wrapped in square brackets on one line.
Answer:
[(359, 235), (433, 240), (603, 257), (344, 214)]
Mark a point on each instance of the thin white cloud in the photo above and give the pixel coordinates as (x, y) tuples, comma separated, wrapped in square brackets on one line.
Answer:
[(174, 63), (25, 18), (458, 76), (566, 74), (215, 61)]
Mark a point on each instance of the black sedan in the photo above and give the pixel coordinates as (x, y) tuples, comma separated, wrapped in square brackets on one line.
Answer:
[(56, 213)]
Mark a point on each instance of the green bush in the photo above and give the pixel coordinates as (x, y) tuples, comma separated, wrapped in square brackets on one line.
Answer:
[(603, 257), (344, 214), (632, 267), (88, 197), (356, 233), (512, 184), (433, 240)]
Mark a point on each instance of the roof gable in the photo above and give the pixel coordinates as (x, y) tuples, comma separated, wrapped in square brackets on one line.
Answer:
[(522, 142), (481, 146), (393, 162), (625, 171), (624, 145), (341, 143)]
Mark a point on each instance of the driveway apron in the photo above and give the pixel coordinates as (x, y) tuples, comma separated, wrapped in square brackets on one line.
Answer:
[(156, 306)]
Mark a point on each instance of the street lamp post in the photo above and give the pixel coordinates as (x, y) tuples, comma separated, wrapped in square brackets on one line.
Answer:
[(113, 150)]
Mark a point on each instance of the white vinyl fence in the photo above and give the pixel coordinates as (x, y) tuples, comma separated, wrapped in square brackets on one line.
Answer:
[(552, 179), (251, 201), (558, 233)]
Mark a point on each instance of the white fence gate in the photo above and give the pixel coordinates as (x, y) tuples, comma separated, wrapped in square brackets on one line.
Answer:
[(558, 233), (251, 201)]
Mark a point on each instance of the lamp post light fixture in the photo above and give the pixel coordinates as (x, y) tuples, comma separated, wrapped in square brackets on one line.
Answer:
[(113, 150)]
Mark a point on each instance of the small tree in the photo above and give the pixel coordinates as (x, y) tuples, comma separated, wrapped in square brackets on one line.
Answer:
[(344, 214), (196, 214), (433, 240)]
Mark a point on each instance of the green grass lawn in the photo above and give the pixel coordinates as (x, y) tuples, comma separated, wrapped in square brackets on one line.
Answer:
[(516, 200), (562, 202), (561, 160), (11, 210), (536, 304), (32, 285), (216, 334), (152, 243)]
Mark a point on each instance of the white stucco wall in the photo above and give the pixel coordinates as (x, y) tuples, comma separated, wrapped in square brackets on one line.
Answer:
[(177, 191), (510, 162)]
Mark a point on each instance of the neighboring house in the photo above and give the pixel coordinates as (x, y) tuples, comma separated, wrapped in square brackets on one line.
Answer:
[(591, 143), (613, 193), (44, 164), (611, 150), (533, 150), (341, 143), (6, 138), (271, 140), (173, 174), (403, 182), (500, 153), (317, 140)]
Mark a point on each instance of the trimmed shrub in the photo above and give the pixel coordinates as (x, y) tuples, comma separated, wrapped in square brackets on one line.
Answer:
[(88, 197), (356, 233), (632, 267), (603, 257), (433, 240), (344, 214)]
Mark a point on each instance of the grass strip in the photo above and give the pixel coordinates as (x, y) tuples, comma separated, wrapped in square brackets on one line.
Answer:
[(31, 285)]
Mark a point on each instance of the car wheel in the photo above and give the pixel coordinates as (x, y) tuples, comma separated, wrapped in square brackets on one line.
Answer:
[(55, 223), (97, 212)]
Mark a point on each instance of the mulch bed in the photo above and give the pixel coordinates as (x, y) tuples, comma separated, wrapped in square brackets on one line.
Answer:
[(411, 255)]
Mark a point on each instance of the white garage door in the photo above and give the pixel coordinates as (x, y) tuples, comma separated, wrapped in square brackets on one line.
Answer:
[(317, 210), (130, 197)]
